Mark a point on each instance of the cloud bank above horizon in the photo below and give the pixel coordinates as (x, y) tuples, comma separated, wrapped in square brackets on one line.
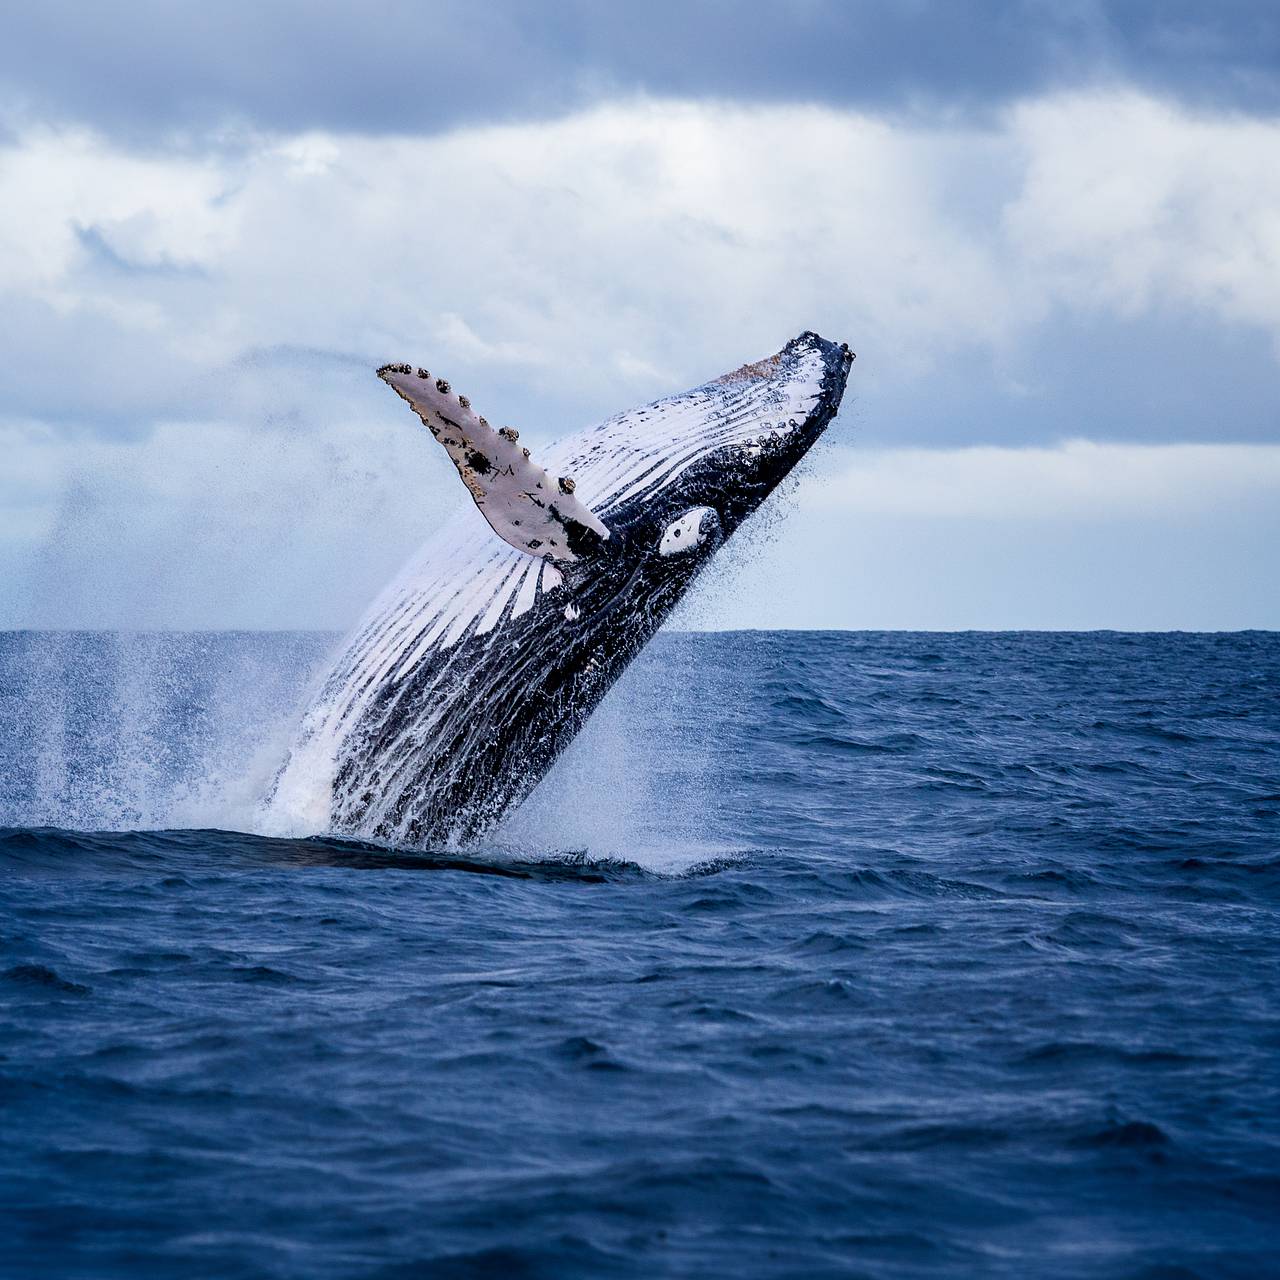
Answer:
[(1065, 286)]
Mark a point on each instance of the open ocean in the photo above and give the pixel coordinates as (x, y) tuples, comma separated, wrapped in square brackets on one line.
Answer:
[(819, 954)]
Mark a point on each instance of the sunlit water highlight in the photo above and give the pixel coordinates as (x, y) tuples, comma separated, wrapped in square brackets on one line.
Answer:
[(819, 954)]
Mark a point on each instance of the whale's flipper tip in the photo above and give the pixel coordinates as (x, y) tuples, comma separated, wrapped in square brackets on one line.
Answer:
[(526, 507)]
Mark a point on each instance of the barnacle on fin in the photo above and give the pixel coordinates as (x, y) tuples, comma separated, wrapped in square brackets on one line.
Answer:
[(508, 486)]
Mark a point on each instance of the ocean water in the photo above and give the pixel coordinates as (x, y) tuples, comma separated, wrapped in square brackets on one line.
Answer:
[(879, 955)]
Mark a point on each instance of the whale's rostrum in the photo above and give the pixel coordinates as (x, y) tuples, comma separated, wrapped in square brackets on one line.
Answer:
[(478, 664)]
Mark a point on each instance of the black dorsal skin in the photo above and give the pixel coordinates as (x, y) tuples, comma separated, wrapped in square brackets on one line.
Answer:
[(477, 667)]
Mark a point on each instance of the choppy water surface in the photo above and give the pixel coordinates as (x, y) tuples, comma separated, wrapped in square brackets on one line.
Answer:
[(826, 954)]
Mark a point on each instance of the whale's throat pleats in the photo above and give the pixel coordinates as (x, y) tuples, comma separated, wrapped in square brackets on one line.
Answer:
[(522, 503)]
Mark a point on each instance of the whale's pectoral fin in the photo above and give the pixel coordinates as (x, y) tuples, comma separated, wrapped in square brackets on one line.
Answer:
[(522, 503)]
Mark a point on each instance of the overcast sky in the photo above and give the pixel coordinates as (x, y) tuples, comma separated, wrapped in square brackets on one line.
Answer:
[(1050, 231)]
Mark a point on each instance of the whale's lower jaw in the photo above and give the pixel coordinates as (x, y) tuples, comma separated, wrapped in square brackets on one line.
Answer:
[(478, 667)]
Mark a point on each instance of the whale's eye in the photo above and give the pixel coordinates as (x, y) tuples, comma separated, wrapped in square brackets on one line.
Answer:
[(687, 532)]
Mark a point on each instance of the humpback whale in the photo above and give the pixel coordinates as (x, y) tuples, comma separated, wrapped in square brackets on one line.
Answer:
[(478, 664)]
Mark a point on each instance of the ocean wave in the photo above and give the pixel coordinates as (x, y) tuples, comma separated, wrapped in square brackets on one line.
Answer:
[(816, 955)]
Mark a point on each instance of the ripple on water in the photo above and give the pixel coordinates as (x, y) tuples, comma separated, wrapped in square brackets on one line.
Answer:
[(922, 955)]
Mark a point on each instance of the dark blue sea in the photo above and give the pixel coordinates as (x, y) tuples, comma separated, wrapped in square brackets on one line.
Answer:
[(819, 954)]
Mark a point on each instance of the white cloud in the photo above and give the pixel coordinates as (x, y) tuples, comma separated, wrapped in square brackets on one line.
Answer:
[(227, 526), (1078, 480), (1128, 203), (655, 237), (1080, 536), (153, 212), (560, 270)]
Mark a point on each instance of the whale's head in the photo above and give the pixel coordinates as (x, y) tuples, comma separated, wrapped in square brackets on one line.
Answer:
[(673, 480), (638, 504)]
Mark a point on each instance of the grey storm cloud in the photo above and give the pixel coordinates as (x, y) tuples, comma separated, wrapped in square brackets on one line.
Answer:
[(150, 67)]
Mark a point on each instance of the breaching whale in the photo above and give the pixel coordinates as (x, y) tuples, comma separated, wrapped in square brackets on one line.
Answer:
[(480, 662)]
